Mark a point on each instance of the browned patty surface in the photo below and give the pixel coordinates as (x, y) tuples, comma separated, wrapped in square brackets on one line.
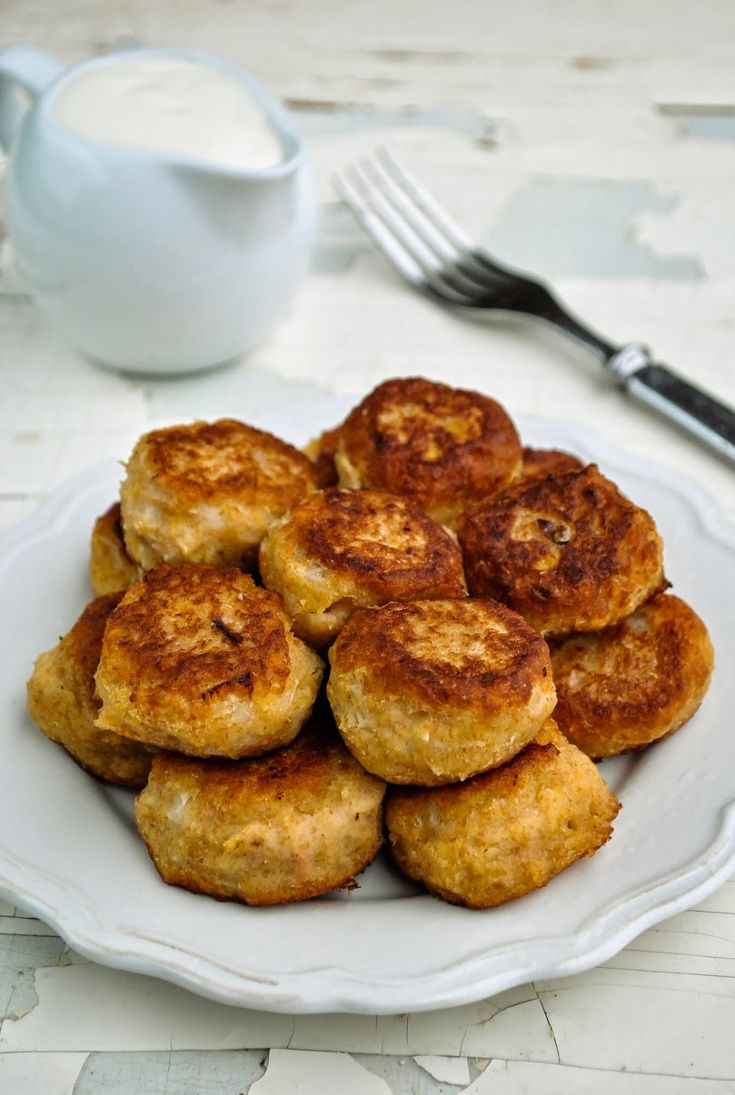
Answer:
[(429, 692), (339, 549), (626, 686), (569, 552), (506, 832), (200, 660), (296, 823), (443, 447), (208, 492), (548, 462)]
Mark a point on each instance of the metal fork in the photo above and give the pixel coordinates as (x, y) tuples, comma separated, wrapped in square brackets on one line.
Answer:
[(440, 259)]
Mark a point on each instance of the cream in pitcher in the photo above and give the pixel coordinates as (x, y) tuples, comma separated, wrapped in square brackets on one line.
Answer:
[(159, 203), (171, 105)]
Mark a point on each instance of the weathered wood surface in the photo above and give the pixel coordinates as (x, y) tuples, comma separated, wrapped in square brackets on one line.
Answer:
[(590, 141)]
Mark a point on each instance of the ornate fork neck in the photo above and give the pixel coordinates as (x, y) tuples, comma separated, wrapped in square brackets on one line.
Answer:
[(534, 298)]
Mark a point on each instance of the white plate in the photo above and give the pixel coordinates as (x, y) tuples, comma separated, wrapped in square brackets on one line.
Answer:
[(69, 852)]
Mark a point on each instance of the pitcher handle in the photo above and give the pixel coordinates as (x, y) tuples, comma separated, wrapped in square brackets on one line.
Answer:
[(21, 70)]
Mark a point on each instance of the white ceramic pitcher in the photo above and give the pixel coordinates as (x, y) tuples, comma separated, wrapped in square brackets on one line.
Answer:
[(145, 261)]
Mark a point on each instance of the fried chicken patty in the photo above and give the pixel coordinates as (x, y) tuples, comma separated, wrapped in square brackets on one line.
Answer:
[(506, 832), (629, 685), (339, 549), (548, 462), (441, 447), (208, 492), (110, 567), (429, 692), (200, 660), (63, 703), (297, 823), (569, 552)]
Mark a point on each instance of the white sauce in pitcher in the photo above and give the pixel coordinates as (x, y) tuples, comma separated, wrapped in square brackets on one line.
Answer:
[(174, 106)]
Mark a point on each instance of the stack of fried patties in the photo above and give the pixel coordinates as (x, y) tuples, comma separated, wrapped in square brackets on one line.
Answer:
[(247, 561)]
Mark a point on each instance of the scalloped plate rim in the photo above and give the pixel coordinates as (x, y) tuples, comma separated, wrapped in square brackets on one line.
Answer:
[(326, 988)]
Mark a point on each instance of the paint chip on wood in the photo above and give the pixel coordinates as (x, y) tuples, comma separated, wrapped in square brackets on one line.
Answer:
[(301, 1072)]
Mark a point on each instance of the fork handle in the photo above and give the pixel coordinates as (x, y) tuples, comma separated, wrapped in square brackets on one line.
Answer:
[(679, 400)]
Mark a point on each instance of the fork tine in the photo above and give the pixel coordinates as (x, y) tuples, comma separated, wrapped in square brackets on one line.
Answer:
[(459, 268), (393, 250), (380, 204), (418, 220), (428, 205), (475, 261), (434, 273)]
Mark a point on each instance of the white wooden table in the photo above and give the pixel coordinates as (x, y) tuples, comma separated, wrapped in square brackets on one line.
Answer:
[(591, 141)]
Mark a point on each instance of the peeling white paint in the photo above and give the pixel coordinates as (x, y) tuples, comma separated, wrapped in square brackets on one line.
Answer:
[(523, 1078), (89, 1007), (696, 224), (40, 1073), (615, 1020), (448, 1070), (311, 1073), (520, 1031)]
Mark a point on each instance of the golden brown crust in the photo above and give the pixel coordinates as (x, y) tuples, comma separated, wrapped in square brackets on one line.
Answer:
[(442, 447), (297, 823), (204, 460), (199, 659), (110, 567), (189, 621), (506, 832), (569, 552), (429, 692), (629, 685), (83, 643), (548, 462), (394, 548), (207, 492), (469, 653), (63, 702), (339, 549)]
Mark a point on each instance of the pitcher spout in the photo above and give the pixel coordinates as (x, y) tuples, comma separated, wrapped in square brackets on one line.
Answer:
[(260, 144)]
